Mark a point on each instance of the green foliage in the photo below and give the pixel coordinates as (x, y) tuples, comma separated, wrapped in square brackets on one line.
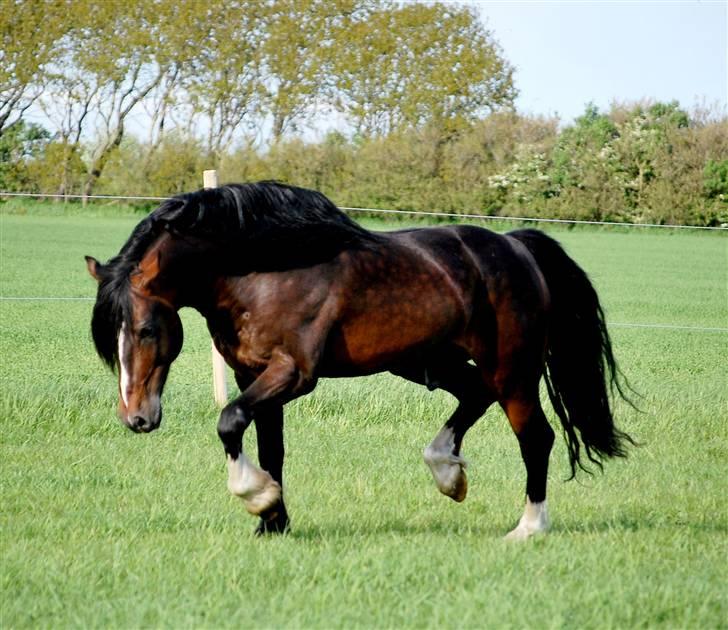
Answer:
[(419, 64), (668, 115), (60, 168), (30, 32), (636, 163), (298, 45), (578, 144), (171, 167), (715, 180), (21, 145)]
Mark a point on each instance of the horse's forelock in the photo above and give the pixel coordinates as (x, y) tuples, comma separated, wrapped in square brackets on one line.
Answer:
[(112, 309)]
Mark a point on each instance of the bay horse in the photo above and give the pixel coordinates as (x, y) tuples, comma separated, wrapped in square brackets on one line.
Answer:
[(294, 290)]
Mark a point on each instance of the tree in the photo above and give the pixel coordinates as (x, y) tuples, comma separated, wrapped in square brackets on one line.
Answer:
[(29, 32), (579, 144), (67, 103), (419, 64), (225, 83), (715, 180), (107, 64), (487, 149), (115, 51), (293, 57), (301, 38), (182, 29), (20, 144)]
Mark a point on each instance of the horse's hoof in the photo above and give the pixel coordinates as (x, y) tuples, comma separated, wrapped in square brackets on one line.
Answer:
[(262, 500), (274, 522), (521, 533), (448, 470), (459, 490)]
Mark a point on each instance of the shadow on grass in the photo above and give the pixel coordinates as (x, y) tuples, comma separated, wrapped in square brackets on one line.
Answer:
[(397, 527), (495, 529)]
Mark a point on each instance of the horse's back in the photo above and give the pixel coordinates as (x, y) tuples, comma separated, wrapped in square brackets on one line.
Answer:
[(502, 264), (477, 262)]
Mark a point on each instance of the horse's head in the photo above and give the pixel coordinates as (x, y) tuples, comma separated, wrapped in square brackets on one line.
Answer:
[(139, 335)]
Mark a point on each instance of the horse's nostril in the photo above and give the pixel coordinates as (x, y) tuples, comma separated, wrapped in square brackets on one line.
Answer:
[(139, 422)]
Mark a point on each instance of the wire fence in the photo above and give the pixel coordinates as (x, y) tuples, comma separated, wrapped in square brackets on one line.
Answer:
[(449, 215), (535, 219), (674, 327), (701, 329), (65, 196)]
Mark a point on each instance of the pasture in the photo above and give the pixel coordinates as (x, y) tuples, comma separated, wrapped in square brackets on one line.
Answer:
[(100, 527)]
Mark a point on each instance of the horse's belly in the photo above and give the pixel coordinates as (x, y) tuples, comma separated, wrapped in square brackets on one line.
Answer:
[(376, 340)]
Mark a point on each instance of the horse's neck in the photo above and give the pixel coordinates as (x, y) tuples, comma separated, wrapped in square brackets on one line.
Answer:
[(179, 272)]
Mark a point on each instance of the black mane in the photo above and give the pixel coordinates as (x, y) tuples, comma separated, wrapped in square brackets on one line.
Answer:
[(255, 227), (252, 210)]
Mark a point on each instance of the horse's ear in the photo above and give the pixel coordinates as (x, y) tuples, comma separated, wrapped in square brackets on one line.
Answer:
[(94, 268)]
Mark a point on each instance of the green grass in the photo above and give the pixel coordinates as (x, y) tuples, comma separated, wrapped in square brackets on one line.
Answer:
[(94, 208), (103, 528)]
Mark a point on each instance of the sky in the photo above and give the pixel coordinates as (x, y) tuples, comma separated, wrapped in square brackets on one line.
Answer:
[(568, 54)]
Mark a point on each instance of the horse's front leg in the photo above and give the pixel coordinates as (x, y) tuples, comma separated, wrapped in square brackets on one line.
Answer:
[(256, 487), (260, 492), (269, 431)]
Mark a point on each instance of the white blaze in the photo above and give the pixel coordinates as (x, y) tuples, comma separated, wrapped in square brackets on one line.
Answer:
[(123, 370)]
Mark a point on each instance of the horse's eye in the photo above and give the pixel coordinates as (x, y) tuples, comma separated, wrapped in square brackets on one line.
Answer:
[(145, 332)]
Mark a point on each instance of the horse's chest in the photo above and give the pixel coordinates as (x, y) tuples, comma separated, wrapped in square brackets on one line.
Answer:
[(262, 312), (239, 341)]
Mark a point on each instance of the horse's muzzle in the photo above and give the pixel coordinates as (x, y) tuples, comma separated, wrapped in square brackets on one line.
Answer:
[(142, 421), (140, 424)]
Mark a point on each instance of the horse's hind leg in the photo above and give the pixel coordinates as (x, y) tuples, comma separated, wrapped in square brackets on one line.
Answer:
[(535, 437), (442, 455)]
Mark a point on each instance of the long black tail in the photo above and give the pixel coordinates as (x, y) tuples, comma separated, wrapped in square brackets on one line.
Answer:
[(582, 373)]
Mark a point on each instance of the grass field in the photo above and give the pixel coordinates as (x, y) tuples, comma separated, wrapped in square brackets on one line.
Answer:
[(104, 528)]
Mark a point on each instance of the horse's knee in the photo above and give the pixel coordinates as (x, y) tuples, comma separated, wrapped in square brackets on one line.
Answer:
[(231, 426)]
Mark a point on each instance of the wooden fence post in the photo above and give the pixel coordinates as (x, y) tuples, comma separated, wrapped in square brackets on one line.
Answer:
[(219, 378)]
